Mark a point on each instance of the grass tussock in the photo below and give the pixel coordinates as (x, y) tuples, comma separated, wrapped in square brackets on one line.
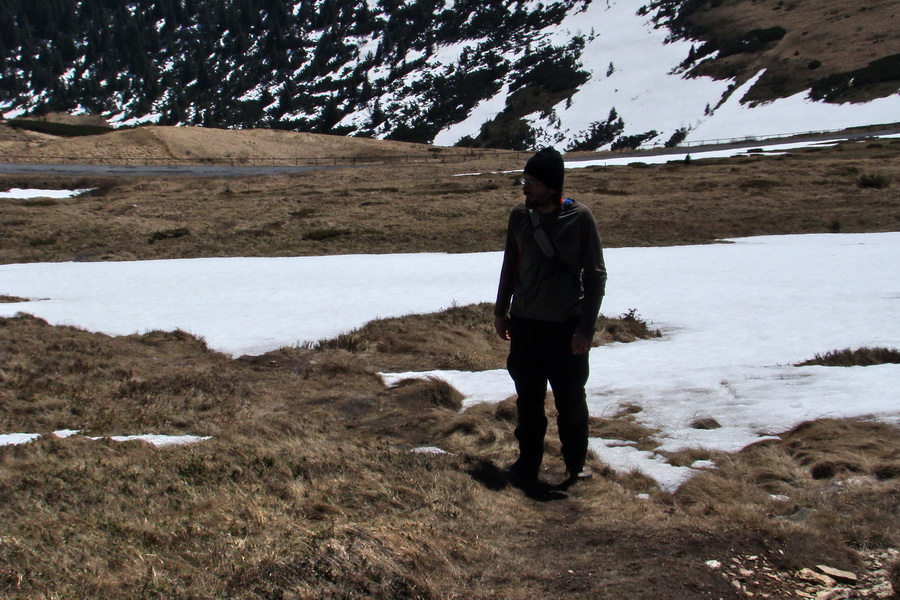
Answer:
[(168, 234), (860, 357), (877, 181), (623, 425), (838, 478), (459, 337), (628, 327)]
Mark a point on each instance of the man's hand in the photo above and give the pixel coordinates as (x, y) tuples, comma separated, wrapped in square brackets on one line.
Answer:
[(580, 343), (501, 324)]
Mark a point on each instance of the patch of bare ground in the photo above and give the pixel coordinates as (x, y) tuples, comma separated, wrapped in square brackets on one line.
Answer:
[(309, 488), (820, 39)]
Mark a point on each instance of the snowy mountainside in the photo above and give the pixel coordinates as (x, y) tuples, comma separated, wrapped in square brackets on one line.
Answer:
[(578, 74)]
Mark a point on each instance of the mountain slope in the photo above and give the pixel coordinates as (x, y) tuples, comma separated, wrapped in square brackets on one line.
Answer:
[(582, 74), (801, 45)]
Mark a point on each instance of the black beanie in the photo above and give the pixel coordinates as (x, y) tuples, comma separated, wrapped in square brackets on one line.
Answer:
[(547, 167)]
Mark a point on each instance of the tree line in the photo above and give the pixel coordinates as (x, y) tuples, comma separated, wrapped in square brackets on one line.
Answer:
[(307, 65)]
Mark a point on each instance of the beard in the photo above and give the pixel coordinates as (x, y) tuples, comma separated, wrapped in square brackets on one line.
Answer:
[(532, 203), (537, 201)]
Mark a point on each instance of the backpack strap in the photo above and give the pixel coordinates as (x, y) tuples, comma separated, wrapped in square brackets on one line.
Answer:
[(540, 235)]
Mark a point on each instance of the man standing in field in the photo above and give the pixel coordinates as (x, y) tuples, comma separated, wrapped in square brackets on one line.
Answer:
[(551, 285)]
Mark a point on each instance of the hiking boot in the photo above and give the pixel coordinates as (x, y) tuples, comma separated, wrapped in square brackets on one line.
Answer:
[(581, 475), (519, 476)]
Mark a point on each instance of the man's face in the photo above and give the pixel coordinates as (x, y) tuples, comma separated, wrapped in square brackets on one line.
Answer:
[(537, 195)]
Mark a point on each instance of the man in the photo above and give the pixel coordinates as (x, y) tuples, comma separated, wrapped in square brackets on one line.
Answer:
[(551, 285)]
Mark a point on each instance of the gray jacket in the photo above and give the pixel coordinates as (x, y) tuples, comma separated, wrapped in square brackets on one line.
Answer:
[(572, 282)]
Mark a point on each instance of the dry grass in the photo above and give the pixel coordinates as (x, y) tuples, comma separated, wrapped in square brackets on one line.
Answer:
[(460, 338), (309, 488), (837, 478), (848, 357), (894, 574), (161, 144), (229, 518), (420, 208), (623, 425), (836, 36)]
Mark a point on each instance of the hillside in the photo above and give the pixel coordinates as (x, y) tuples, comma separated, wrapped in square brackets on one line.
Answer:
[(152, 143), (819, 46), (511, 75)]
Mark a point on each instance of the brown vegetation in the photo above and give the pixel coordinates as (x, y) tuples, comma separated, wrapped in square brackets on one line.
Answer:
[(417, 208), (822, 38), (310, 486), (460, 337), (862, 357), (161, 144)]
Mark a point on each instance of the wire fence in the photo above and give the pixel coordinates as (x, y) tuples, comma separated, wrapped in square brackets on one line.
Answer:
[(754, 139), (779, 137)]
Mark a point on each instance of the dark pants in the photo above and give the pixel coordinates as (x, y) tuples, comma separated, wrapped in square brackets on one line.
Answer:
[(541, 352)]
